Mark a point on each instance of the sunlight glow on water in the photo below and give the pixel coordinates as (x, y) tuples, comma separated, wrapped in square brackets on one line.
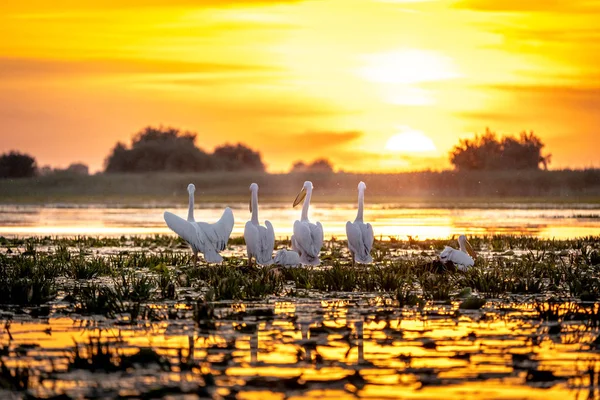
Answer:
[(338, 347), (387, 220)]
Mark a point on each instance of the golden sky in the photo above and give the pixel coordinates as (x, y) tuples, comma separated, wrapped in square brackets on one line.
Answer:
[(372, 85)]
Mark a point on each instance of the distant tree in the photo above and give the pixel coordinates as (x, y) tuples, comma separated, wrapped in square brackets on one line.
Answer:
[(78, 169), (159, 149), (238, 157), (487, 152), (299, 166), (320, 165), (17, 165)]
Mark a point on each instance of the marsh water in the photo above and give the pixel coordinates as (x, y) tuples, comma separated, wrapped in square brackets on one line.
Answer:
[(545, 220), (342, 346), (536, 335)]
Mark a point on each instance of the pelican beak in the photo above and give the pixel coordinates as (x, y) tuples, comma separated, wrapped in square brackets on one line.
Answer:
[(250, 205), (300, 197), (470, 250)]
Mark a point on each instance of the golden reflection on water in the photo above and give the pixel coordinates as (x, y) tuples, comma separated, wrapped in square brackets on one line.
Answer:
[(550, 221), (340, 348)]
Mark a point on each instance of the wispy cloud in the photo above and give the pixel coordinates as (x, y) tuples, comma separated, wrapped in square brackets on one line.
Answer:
[(547, 6), (24, 66)]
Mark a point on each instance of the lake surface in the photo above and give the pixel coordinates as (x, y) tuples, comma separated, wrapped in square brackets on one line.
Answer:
[(421, 221)]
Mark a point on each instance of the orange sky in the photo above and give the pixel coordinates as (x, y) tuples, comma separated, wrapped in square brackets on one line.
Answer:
[(301, 79)]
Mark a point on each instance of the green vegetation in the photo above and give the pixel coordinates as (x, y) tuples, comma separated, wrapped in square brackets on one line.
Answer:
[(28, 276)]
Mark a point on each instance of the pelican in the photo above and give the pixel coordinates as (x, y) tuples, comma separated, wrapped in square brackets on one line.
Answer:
[(463, 258), (287, 258), (360, 235), (307, 239), (260, 241), (209, 239)]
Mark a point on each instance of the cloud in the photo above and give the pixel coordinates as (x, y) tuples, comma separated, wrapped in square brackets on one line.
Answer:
[(490, 116), (555, 91), (550, 6), (576, 35), (26, 66), (365, 161), (42, 6), (321, 140)]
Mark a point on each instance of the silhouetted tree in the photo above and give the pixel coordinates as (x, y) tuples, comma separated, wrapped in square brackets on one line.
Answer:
[(238, 157), (320, 165), (487, 152), (78, 169), (159, 149), (17, 165), (299, 166)]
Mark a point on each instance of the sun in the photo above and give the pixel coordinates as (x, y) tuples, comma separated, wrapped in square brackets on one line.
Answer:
[(410, 141)]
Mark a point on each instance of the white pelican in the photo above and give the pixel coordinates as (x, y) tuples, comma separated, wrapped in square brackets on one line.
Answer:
[(208, 239), (463, 258), (287, 258), (307, 239), (260, 241), (360, 235)]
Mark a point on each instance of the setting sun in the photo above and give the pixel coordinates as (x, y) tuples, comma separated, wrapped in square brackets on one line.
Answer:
[(410, 141)]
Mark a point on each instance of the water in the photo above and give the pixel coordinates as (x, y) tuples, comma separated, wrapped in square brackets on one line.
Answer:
[(353, 346), (544, 220)]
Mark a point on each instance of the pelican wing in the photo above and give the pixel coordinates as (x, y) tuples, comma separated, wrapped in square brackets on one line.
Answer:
[(219, 234), (368, 237), (354, 237), (304, 240), (360, 241), (316, 232), (264, 255), (269, 241), (456, 256), (251, 238), (186, 230)]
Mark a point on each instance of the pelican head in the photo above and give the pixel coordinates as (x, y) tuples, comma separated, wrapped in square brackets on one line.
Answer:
[(191, 188), (308, 186), (362, 186), (465, 246)]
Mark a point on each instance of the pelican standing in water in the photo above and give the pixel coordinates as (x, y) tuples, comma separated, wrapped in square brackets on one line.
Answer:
[(208, 239), (360, 235), (307, 239), (463, 258), (260, 241)]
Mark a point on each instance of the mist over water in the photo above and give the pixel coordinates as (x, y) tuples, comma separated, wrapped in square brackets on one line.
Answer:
[(420, 221)]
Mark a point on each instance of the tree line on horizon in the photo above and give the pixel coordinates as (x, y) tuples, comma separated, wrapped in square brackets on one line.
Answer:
[(172, 150)]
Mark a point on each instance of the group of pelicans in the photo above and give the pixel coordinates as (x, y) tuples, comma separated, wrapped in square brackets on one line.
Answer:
[(307, 239)]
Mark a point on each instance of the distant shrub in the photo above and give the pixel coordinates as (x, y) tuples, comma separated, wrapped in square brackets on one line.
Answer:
[(17, 165), (169, 149), (487, 152), (238, 157), (320, 165)]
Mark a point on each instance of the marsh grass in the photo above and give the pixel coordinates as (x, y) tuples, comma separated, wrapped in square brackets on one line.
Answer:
[(29, 275)]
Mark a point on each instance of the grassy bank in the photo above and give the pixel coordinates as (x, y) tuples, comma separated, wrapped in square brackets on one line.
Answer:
[(429, 187)]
